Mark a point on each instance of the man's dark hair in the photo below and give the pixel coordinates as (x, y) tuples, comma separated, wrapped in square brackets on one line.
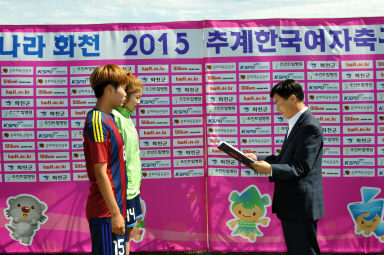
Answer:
[(286, 88)]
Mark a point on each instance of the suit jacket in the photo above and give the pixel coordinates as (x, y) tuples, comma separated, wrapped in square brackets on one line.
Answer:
[(296, 172)]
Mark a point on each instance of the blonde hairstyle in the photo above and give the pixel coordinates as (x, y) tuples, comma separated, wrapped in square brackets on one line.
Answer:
[(133, 85), (103, 76)]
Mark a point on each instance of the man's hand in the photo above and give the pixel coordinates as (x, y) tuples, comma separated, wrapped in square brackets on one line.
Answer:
[(251, 155), (118, 225), (262, 167)]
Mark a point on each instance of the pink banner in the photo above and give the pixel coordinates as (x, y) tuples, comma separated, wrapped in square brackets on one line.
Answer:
[(204, 82)]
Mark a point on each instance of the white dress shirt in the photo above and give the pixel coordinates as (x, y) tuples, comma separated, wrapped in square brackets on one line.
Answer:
[(292, 121)]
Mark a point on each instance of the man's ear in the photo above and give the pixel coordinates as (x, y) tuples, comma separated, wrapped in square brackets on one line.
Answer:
[(108, 89), (292, 97)]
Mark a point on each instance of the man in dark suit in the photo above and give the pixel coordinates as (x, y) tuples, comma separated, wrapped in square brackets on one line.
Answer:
[(296, 171)]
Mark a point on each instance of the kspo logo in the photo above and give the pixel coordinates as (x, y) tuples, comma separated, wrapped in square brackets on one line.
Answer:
[(182, 111), (353, 162)]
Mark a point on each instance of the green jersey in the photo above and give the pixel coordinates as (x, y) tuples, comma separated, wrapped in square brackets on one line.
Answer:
[(132, 151)]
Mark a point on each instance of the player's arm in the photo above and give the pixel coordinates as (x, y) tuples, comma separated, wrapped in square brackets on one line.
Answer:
[(117, 220)]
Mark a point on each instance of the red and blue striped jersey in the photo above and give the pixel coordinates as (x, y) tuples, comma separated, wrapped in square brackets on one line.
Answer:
[(103, 143)]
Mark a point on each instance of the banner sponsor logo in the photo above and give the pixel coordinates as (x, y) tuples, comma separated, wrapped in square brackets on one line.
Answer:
[(332, 86), (187, 99), (185, 152), (155, 101), (329, 172), (356, 64), (59, 177), (82, 91), (154, 143), (261, 130), (256, 141), (48, 134), (76, 155), (83, 176), (352, 140), (14, 167), (331, 119), (331, 130), (322, 65), (255, 98), (56, 81), (79, 166), (152, 68), (17, 114), (154, 132), (359, 129), (17, 70), (255, 119), (17, 92), (77, 102), (179, 68), (329, 97), (225, 77), (228, 172), (186, 78), (222, 162), (53, 156), (358, 86), (288, 75), (17, 103), (259, 87), (331, 151), (178, 173), (221, 88), (11, 146), (154, 79), (359, 107), (159, 163), (158, 153), (192, 141), (222, 120), (146, 111), (363, 172), (357, 75), (255, 109), (320, 76), (17, 135), (361, 118), (19, 156), (53, 145), (257, 150), (85, 80), (62, 70), (332, 140), (62, 166), (154, 122), (188, 162), (254, 77), (282, 65), (369, 151), (20, 178), (156, 174), (222, 130), (332, 108), (16, 81), (193, 110), (218, 99), (223, 109), (220, 67), (359, 161), (253, 66), (51, 92), (197, 131), (357, 97)]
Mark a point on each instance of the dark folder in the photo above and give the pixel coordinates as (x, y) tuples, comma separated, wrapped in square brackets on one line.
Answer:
[(235, 153)]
